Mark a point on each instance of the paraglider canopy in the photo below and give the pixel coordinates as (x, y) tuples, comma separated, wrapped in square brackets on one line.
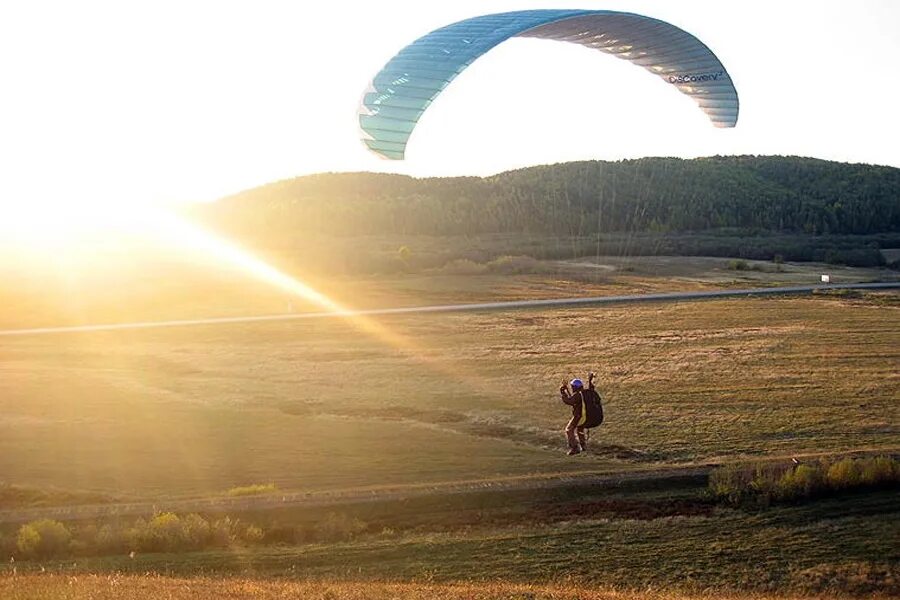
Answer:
[(409, 82)]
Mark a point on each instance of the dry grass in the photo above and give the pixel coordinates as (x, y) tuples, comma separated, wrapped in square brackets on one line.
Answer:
[(118, 587), (319, 405)]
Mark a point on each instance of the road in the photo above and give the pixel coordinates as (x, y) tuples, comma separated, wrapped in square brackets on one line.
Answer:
[(471, 307)]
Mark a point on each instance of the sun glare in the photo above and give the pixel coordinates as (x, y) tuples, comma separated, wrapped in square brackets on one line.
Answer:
[(79, 238), (191, 238), (41, 228), (195, 239)]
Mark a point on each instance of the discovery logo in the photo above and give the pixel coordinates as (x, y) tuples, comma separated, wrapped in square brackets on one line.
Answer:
[(698, 78)]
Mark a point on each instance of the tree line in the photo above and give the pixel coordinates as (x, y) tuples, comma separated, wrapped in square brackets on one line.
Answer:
[(653, 195)]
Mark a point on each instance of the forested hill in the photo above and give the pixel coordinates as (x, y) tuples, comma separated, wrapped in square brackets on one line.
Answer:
[(785, 194)]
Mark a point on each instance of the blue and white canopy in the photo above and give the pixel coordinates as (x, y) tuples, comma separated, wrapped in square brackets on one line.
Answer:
[(411, 80)]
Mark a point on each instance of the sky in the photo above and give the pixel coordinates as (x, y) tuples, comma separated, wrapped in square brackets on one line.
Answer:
[(157, 102)]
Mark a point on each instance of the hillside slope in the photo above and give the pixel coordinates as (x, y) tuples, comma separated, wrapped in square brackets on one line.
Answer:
[(784, 194)]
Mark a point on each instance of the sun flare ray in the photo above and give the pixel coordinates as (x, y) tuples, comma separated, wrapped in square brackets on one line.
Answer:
[(196, 239)]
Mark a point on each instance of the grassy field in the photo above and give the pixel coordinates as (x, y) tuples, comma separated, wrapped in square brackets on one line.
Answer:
[(590, 539), (317, 405), (334, 404)]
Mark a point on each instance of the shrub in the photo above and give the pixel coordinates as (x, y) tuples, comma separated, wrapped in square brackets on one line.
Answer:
[(111, 539), (879, 471), (28, 541), (337, 527), (738, 265), (764, 484), (167, 531), (463, 266), (42, 539), (84, 539), (164, 532), (514, 265), (196, 532), (801, 482), (730, 483), (137, 534), (222, 532), (843, 474), (252, 534), (254, 489)]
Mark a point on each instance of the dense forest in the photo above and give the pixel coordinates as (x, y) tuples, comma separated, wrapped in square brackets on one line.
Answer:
[(777, 194), (747, 206)]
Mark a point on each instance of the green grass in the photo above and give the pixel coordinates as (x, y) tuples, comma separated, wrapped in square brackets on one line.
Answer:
[(785, 549)]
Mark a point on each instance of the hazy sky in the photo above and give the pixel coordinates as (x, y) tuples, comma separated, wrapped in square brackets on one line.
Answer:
[(137, 101)]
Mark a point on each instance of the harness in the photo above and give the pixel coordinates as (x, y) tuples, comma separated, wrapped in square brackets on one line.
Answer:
[(583, 418)]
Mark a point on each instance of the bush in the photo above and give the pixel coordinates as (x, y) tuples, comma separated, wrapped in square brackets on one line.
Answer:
[(84, 539), (338, 527), (167, 532), (738, 265), (196, 532), (729, 482), (843, 474), (222, 532), (28, 541), (252, 490), (111, 539), (43, 539), (252, 534), (164, 532), (879, 471), (762, 484), (801, 482), (514, 265), (137, 534), (463, 266)]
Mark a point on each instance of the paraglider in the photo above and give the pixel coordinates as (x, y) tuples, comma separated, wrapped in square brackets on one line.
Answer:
[(587, 412), (402, 91)]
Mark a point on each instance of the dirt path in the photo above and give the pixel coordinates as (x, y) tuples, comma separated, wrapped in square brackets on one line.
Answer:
[(660, 475)]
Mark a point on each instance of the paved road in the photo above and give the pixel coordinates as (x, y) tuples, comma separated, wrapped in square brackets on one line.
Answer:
[(472, 307)]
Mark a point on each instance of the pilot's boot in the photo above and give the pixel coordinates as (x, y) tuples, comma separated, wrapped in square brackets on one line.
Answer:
[(582, 440)]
